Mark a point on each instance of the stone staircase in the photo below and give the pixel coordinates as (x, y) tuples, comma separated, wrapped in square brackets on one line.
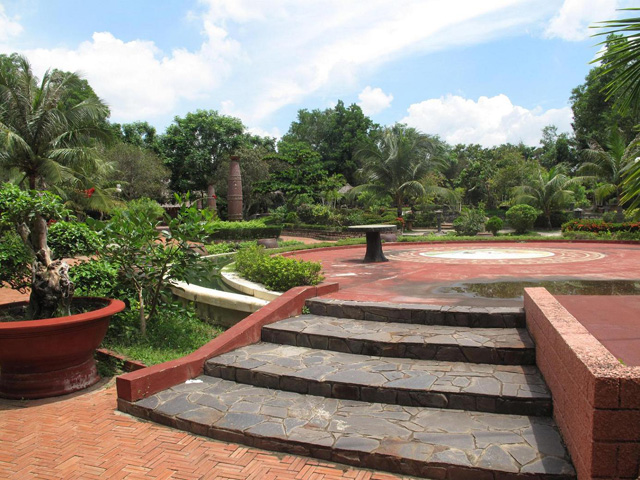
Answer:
[(436, 392)]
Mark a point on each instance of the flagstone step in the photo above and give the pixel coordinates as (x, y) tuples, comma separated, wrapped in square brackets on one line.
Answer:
[(511, 389), (462, 316), (503, 346), (427, 442)]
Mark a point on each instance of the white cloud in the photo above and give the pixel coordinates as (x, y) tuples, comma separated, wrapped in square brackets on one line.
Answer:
[(374, 100), (136, 78), (574, 17), (489, 121), (257, 57), (324, 46), (9, 27)]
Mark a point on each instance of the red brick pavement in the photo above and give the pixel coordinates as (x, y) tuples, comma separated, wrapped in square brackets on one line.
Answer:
[(82, 436)]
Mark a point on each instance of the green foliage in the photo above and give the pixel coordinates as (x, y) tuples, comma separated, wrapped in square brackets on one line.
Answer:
[(522, 217), (335, 134), (571, 235), (146, 263), (15, 261), (146, 208), (397, 163), (24, 206), (49, 129), (140, 172), (470, 222), (248, 230), (296, 171), (494, 225), (176, 332), (68, 239), (599, 226), (594, 109), (276, 273), (96, 278), (195, 145), (316, 214)]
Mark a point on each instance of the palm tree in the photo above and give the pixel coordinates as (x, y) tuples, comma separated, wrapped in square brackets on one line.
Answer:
[(547, 191), (608, 167), (621, 59), (397, 162), (49, 140)]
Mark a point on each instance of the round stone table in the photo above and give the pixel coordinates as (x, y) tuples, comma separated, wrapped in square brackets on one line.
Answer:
[(374, 244)]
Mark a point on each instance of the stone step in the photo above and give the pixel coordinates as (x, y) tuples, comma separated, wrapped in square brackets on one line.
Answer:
[(511, 389), (427, 442), (503, 346), (424, 314)]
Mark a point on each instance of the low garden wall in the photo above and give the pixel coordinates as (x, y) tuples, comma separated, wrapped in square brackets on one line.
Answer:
[(596, 399)]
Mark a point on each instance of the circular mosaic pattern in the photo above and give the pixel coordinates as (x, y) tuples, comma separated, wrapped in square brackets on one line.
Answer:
[(511, 255)]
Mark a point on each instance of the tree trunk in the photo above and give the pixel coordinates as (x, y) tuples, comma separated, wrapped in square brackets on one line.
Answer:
[(51, 287), (211, 197)]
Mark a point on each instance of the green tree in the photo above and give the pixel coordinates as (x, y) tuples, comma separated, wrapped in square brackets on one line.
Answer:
[(335, 133), (620, 61), (296, 171), (139, 172), (51, 143), (255, 169), (140, 134), (396, 162), (556, 148), (607, 166), (195, 145), (594, 110), (548, 191)]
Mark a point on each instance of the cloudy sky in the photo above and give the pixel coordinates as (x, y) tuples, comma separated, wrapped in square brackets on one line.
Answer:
[(471, 71)]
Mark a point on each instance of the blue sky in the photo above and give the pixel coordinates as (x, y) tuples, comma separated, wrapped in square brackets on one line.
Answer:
[(471, 71)]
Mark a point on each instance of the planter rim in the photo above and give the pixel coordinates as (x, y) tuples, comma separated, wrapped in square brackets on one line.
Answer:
[(111, 307)]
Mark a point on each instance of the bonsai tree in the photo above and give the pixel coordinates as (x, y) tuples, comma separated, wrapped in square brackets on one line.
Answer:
[(25, 257)]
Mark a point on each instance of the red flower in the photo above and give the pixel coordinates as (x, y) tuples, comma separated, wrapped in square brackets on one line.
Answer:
[(214, 197), (89, 192)]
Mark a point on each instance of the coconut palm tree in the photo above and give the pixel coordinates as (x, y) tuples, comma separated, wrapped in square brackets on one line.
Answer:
[(621, 59), (50, 141), (607, 166), (397, 162), (45, 137), (548, 191)]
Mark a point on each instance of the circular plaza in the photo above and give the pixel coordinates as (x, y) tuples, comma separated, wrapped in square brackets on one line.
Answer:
[(486, 273)]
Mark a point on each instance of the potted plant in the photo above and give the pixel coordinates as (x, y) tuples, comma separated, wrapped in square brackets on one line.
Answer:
[(47, 343)]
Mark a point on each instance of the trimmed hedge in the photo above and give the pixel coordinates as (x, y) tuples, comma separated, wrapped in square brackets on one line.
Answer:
[(600, 226), (250, 230), (276, 273)]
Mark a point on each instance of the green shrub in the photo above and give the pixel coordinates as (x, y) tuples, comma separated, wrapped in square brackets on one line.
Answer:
[(276, 273), (627, 236), (96, 278), (249, 230), (609, 217), (316, 214), (600, 226), (557, 219), (15, 261), (493, 225), (68, 239), (470, 222), (571, 235), (522, 217), (146, 208)]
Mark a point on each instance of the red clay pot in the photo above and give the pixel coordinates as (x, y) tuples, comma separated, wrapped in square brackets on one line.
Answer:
[(54, 356)]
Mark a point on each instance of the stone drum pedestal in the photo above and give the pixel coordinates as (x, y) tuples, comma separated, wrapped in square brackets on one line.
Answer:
[(234, 195)]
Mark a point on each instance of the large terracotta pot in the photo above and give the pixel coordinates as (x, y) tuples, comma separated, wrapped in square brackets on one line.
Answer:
[(54, 356)]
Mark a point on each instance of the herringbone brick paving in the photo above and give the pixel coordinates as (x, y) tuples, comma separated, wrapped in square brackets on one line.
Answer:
[(83, 437)]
